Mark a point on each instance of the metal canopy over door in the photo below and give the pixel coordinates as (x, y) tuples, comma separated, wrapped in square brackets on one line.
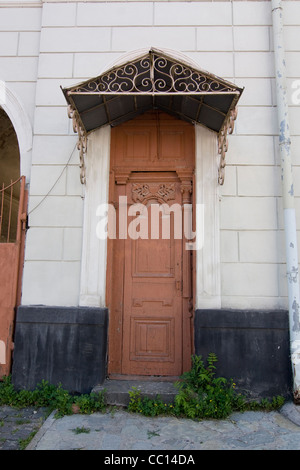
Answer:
[(153, 79), (149, 288)]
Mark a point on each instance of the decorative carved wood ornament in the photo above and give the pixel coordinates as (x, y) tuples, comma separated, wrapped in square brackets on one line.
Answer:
[(143, 192)]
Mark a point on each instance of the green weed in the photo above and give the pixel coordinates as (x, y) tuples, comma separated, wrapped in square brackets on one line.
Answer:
[(82, 430), (201, 395), (51, 397)]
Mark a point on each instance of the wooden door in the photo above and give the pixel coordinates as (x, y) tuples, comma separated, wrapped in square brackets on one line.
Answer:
[(152, 318), (12, 242), (149, 277)]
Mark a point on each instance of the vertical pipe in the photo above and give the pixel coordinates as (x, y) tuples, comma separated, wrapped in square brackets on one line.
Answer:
[(287, 195)]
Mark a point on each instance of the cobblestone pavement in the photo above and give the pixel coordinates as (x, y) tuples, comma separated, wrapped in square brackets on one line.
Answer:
[(120, 430), (17, 426)]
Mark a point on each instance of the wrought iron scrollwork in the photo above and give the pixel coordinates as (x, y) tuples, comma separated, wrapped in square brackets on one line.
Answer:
[(81, 143), (154, 74), (227, 128)]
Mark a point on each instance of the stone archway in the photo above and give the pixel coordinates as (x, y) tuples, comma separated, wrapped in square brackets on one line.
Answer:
[(13, 206), (14, 109)]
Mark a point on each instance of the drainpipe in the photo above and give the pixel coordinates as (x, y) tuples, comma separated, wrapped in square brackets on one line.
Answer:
[(287, 196)]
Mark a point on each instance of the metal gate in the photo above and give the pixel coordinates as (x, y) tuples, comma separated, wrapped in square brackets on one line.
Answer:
[(13, 214)]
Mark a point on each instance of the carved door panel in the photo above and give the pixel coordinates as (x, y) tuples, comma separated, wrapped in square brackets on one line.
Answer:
[(152, 322)]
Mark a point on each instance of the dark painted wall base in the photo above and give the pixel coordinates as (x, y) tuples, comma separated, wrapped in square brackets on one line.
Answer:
[(252, 349), (69, 346), (61, 345)]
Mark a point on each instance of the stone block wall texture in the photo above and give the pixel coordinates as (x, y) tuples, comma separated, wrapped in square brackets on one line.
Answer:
[(45, 45)]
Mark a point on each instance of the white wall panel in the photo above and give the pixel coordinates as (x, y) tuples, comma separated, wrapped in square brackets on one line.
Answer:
[(61, 43)]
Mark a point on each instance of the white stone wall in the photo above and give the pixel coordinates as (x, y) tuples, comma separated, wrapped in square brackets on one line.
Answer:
[(19, 51), (51, 44), (252, 236)]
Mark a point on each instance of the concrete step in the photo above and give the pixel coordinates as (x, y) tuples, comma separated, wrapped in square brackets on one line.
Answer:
[(117, 391)]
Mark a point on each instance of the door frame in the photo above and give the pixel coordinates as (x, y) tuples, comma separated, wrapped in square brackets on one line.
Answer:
[(94, 276)]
